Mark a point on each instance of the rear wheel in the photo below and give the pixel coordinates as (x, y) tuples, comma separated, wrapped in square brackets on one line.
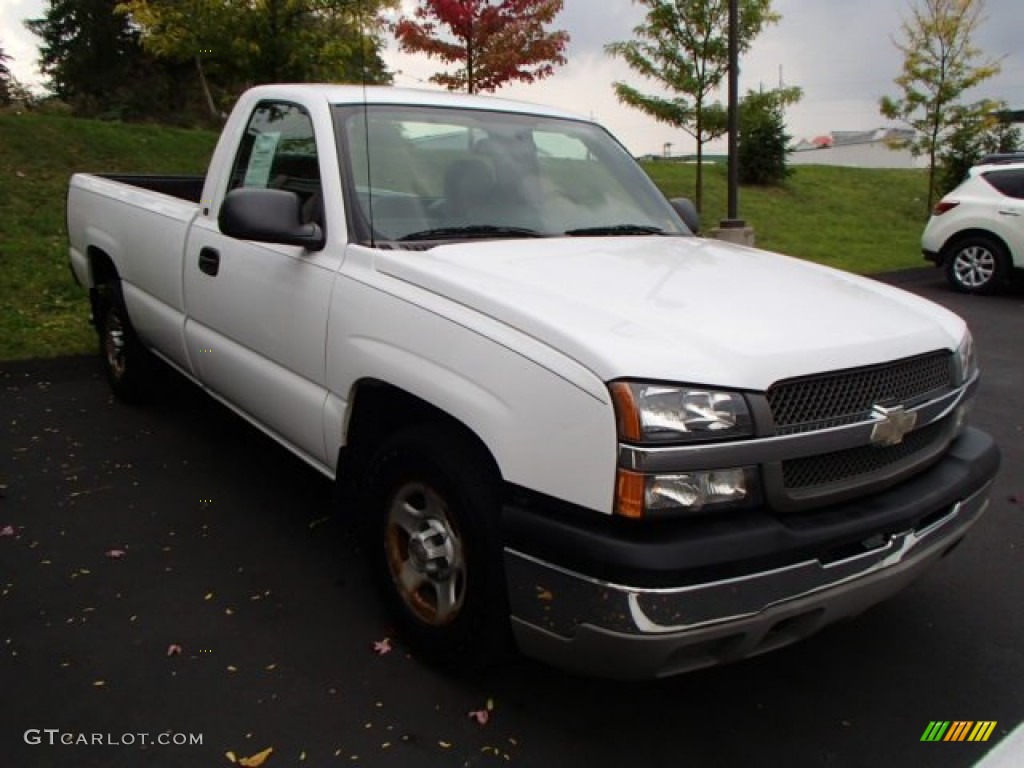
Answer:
[(977, 264), (127, 363), (432, 506)]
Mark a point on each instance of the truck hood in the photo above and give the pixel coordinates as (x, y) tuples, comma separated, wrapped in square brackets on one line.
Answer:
[(681, 309)]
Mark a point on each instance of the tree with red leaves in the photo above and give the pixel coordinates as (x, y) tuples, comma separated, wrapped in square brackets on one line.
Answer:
[(495, 40)]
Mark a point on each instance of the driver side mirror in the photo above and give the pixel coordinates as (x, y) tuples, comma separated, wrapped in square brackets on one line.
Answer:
[(687, 212), (268, 216)]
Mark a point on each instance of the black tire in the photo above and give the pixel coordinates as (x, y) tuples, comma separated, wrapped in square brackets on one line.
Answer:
[(977, 264), (431, 507), (127, 363)]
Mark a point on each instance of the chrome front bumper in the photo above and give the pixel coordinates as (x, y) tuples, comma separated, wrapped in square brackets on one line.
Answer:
[(613, 630)]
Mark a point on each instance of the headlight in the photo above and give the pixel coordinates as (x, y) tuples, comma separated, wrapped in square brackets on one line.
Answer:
[(966, 368), (966, 362), (660, 413), (682, 493)]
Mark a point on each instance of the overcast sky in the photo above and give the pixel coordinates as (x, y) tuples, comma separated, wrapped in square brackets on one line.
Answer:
[(839, 52)]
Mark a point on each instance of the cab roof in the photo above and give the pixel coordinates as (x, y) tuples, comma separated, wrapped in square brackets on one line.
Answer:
[(356, 94)]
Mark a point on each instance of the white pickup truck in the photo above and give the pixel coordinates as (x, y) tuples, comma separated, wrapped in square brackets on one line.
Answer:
[(564, 421)]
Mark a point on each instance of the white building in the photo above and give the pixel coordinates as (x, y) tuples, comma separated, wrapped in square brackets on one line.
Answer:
[(858, 149)]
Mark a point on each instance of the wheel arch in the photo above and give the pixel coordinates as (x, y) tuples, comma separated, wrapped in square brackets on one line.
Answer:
[(967, 234), (378, 409), (101, 270)]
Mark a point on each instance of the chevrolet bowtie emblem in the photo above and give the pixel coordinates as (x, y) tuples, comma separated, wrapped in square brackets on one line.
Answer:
[(893, 425)]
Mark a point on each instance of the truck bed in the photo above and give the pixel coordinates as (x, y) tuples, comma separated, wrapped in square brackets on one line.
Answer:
[(188, 188)]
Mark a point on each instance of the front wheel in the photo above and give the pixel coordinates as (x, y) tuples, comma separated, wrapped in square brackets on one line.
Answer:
[(433, 506), (977, 264)]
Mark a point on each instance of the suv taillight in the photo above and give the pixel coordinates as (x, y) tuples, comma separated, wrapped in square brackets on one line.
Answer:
[(944, 205)]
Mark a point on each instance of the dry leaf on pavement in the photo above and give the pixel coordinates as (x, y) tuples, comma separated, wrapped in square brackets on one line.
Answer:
[(255, 761)]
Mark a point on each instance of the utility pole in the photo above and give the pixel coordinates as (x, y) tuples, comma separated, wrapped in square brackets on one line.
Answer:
[(733, 221), (733, 228)]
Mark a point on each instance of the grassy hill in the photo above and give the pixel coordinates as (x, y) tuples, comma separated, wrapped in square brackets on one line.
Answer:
[(42, 311), (861, 220)]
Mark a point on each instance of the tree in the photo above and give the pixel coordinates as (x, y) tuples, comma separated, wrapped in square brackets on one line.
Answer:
[(5, 78), (236, 43), (187, 31), (939, 64), (316, 40), (979, 131), (92, 59), (684, 46), (497, 41), (763, 141)]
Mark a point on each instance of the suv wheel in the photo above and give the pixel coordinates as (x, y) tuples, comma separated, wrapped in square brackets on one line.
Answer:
[(977, 264)]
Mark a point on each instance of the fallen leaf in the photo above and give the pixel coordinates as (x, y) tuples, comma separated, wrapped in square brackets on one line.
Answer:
[(7, 530), (87, 491), (173, 649), (232, 668), (445, 744), (480, 715), (99, 683), (115, 554), (381, 647), (209, 596), (255, 761), (231, 756)]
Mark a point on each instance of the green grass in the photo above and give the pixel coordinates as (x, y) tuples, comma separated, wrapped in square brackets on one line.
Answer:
[(860, 220), (43, 312), (857, 219)]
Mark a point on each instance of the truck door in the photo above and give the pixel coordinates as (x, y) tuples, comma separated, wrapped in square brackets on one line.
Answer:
[(256, 314)]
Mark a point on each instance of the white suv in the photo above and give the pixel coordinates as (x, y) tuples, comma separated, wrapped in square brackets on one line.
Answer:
[(977, 231)]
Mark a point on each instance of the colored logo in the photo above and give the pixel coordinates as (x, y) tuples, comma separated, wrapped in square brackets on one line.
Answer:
[(958, 730)]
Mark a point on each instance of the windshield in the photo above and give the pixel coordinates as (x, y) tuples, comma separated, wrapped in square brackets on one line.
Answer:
[(432, 173)]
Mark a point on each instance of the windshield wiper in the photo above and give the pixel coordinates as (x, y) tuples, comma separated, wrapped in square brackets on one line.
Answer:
[(477, 230), (617, 229)]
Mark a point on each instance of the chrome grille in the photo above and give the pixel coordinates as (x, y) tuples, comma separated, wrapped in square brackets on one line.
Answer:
[(843, 397), (840, 466)]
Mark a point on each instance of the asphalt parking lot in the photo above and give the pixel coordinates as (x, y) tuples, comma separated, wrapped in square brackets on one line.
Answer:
[(169, 571)]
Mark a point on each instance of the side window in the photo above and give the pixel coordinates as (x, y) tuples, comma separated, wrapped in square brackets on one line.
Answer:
[(278, 151), (1010, 183)]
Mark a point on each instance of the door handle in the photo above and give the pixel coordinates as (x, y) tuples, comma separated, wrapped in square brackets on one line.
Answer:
[(209, 261), (1008, 212)]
